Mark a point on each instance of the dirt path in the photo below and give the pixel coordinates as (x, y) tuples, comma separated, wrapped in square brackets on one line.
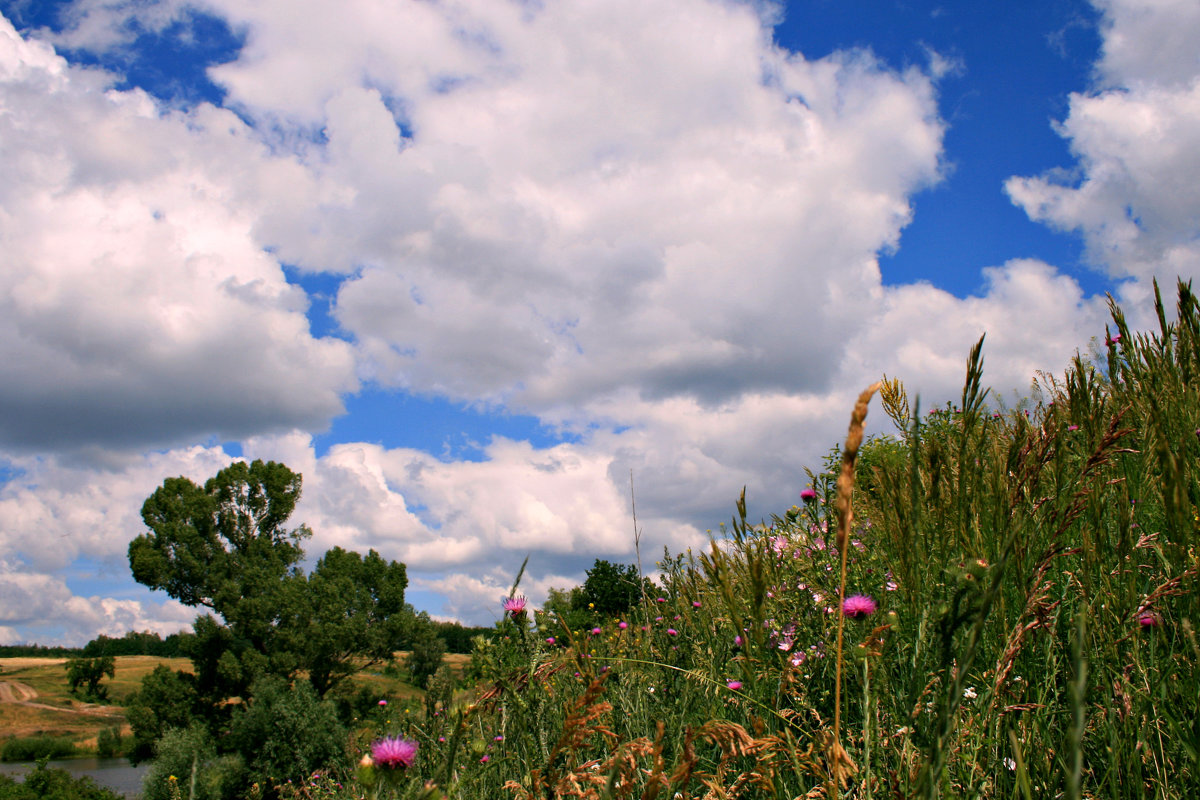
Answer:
[(23, 694)]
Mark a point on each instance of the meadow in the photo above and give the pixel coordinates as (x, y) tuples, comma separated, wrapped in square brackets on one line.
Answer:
[(990, 602)]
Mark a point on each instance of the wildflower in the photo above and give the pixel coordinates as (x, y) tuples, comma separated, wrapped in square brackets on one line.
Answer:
[(486, 758), (1148, 619), (549, 640), (515, 606), (970, 693), (498, 738), (622, 624), (595, 631), (738, 641), (1072, 427), (392, 752), (660, 600), (651, 690), (808, 495), (857, 606), (383, 702), (695, 604), (734, 685), (797, 658), (672, 632)]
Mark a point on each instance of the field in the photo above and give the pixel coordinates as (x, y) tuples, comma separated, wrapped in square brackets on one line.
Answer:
[(35, 700)]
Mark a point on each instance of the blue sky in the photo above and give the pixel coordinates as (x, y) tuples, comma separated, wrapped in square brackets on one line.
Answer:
[(468, 265)]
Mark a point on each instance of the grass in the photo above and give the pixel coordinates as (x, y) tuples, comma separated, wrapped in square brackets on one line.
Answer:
[(1035, 576)]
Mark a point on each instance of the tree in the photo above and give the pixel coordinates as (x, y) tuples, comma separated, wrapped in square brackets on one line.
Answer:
[(428, 650), (613, 588), (226, 547), (90, 671)]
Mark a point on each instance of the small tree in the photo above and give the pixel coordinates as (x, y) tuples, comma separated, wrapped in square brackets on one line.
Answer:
[(427, 652), (90, 671)]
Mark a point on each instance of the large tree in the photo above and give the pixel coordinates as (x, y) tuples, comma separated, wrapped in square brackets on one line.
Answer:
[(226, 547)]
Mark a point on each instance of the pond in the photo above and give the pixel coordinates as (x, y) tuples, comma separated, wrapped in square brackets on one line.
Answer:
[(113, 773)]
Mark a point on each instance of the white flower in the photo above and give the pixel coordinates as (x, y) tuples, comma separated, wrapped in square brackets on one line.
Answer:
[(970, 693), (1008, 762)]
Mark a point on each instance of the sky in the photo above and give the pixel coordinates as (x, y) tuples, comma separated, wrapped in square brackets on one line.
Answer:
[(473, 267)]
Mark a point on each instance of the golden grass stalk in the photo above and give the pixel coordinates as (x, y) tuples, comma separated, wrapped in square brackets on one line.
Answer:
[(845, 517)]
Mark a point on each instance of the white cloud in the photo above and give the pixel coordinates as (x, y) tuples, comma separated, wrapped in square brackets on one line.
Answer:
[(137, 305), (1135, 196)]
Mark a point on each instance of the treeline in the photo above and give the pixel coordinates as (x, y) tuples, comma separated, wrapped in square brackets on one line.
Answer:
[(458, 637), (133, 643)]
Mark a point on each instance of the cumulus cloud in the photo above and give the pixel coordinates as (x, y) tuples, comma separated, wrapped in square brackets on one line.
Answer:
[(1135, 196), (644, 223), (137, 305)]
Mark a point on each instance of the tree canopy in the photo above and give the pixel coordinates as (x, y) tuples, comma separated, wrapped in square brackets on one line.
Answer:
[(226, 547)]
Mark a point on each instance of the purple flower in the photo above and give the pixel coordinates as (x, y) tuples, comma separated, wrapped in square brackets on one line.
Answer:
[(672, 632), (1148, 619), (622, 625), (549, 640), (392, 752), (857, 606), (734, 685), (738, 641), (808, 495), (595, 631), (515, 606)]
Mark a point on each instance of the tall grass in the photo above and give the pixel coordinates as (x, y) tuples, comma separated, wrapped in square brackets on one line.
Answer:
[(1035, 575)]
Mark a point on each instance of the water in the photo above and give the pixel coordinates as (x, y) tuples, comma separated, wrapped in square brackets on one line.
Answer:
[(112, 773)]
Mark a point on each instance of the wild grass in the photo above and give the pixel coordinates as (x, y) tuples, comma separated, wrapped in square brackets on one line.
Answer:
[(1034, 573)]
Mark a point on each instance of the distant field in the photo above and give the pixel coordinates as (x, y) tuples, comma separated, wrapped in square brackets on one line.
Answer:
[(55, 712)]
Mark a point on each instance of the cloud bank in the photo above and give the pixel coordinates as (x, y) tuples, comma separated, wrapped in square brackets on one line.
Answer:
[(645, 224)]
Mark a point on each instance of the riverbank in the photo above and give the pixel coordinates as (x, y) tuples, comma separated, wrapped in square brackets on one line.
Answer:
[(111, 773)]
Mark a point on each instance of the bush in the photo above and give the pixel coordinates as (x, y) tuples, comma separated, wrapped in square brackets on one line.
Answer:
[(108, 744), (36, 747), (286, 733), (186, 755), (53, 784)]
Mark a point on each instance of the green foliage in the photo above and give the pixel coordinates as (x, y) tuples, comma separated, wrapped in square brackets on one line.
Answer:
[(44, 783), (166, 700), (613, 588), (90, 671), (426, 653), (186, 764), (34, 747), (135, 643), (286, 733), (108, 743)]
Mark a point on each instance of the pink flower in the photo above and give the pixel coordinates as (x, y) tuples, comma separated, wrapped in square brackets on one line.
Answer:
[(857, 606), (383, 702), (392, 752), (808, 495), (595, 631), (734, 685), (549, 640), (695, 604), (672, 632), (622, 625), (485, 759), (1148, 619), (1072, 427), (738, 641), (661, 600), (515, 606)]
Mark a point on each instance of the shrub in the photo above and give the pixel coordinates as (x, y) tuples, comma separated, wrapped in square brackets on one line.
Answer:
[(35, 747)]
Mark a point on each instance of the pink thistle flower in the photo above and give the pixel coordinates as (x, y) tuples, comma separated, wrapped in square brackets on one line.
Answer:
[(734, 685), (660, 600), (738, 641), (695, 604), (1072, 427), (549, 640), (808, 495), (672, 632), (515, 606), (383, 702), (857, 606), (622, 624), (1148, 619), (392, 752), (485, 759), (595, 631)]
